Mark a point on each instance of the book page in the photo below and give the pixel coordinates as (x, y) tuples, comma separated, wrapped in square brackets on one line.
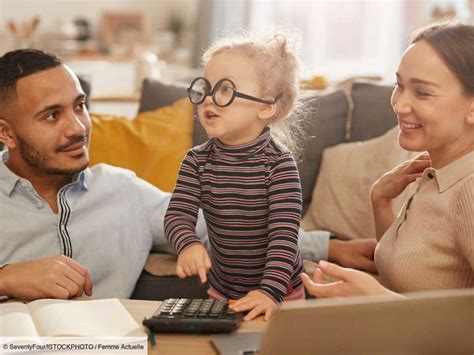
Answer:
[(16, 321), (101, 318)]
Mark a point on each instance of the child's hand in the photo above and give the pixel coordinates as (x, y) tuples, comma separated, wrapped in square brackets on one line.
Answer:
[(194, 261), (258, 303)]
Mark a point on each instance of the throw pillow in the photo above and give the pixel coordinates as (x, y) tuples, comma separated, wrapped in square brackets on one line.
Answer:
[(158, 93), (340, 201), (152, 145), (325, 124)]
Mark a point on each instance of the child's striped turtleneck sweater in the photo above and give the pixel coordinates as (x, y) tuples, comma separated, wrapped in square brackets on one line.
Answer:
[(251, 198)]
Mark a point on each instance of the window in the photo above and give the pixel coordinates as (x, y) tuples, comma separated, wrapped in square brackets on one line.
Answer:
[(340, 38)]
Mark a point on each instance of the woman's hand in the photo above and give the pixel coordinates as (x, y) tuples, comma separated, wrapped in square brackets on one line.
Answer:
[(194, 261), (351, 282), (392, 183), (257, 303)]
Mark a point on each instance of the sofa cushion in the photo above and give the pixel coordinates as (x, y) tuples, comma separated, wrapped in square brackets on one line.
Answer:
[(152, 145), (325, 125), (373, 113), (341, 202), (158, 93)]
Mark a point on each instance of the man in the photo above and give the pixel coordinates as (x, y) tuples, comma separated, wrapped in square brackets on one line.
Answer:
[(66, 228)]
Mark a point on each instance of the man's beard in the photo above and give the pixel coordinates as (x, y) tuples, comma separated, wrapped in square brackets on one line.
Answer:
[(38, 161)]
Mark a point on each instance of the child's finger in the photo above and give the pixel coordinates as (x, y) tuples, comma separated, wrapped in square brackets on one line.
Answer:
[(180, 272), (236, 304), (244, 304), (254, 313), (202, 273), (268, 313), (187, 270), (193, 268)]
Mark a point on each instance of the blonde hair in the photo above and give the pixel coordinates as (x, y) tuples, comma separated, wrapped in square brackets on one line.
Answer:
[(277, 64)]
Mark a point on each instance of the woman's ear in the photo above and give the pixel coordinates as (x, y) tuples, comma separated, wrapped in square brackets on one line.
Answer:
[(470, 113)]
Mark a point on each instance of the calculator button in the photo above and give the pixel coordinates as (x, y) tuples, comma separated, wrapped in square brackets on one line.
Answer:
[(218, 307), (196, 303)]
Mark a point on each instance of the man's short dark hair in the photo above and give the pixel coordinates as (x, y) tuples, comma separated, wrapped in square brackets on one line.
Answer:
[(22, 63)]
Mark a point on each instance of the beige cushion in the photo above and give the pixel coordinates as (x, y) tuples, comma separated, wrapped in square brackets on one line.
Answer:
[(340, 200)]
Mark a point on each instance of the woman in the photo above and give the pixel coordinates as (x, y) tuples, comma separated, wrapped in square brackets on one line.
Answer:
[(430, 245)]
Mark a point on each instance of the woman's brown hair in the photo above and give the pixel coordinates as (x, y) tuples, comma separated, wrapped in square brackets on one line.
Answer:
[(454, 43)]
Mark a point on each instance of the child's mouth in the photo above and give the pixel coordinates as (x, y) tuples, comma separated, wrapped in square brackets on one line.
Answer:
[(210, 115)]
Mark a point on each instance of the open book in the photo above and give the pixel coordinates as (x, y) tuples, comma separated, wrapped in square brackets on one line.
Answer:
[(51, 318)]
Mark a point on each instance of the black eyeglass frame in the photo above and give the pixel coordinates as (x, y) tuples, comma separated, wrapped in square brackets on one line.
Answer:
[(235, 93)]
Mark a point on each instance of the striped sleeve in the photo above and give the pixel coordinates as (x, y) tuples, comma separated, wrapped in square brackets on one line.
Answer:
[(181, 216), (285, 204)]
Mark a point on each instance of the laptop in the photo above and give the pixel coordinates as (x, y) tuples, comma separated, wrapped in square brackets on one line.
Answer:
[(440, 322)]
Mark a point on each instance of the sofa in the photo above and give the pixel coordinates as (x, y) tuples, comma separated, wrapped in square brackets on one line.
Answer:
[(357, 112)]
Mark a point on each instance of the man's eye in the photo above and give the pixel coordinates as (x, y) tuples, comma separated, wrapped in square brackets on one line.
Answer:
[(81, 106), (53, 116)]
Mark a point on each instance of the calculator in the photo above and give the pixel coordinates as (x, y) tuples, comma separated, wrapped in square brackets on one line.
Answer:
[(193, 316)]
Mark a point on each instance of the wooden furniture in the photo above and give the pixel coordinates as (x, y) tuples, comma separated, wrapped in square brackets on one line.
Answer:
[(180, 343)]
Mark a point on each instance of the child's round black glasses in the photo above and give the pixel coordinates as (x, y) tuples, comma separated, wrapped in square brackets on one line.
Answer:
[(223, 93)]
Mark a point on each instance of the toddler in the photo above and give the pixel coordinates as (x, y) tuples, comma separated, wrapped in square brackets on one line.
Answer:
[(245, 180)]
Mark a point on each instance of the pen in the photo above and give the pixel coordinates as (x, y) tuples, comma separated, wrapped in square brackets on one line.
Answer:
[(151, 338)]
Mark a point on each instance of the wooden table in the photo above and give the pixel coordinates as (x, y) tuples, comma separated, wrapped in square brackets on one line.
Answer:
[(178, 343)]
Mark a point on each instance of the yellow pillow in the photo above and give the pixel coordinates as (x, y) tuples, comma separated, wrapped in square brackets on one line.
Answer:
[(152, 145)]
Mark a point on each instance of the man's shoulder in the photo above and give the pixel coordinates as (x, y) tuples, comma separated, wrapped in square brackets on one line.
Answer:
[(103, 169), (112, 174), (105, 176)]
